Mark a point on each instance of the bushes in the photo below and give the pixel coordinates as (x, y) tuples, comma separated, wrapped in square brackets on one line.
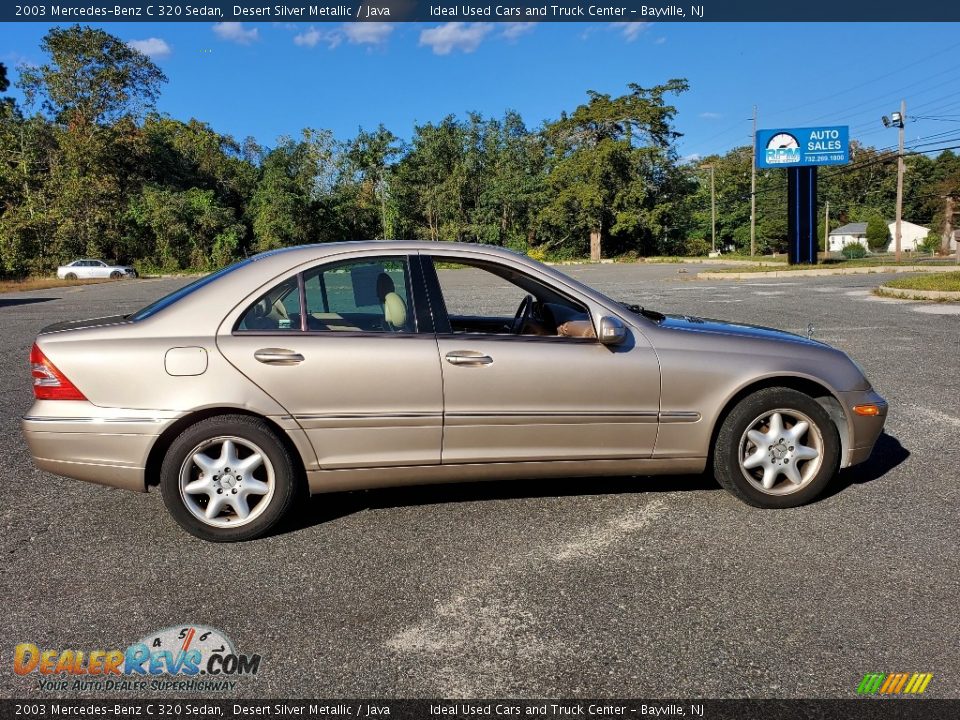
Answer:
[(931, 243), (853, 251), (878, 234), (696, 247)]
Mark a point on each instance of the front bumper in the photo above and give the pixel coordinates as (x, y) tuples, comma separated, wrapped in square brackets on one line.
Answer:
[(863, 430), (79, 440)]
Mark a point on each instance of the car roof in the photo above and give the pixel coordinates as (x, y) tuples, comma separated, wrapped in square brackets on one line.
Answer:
[(432, 246)]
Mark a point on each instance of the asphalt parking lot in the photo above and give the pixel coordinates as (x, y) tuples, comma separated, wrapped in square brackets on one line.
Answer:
[(615, 587)]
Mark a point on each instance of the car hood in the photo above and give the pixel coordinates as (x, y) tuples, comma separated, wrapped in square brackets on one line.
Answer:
[(83, 324), (688, 323)]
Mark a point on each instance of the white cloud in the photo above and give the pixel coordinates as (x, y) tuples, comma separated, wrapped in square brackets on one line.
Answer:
[(311, 38), (356, 33), (659, 41), (691, 158), (711, 115), (236, 32), (367, 33), (151, 47), (631, 30), (513, 30), (448, 37)]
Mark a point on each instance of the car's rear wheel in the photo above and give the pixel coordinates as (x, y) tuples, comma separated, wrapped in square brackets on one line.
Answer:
[(778, 448), (228, 478), (70, 276), (116, 275)]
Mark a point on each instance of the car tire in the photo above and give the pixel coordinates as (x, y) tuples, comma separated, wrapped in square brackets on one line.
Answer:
[(191, 483), (116, 275), (766, 458), (70, 276)]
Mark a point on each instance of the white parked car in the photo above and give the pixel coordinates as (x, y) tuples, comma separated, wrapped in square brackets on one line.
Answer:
[(85, 269)]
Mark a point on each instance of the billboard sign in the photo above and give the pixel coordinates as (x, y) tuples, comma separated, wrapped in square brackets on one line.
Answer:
[(803, 147)]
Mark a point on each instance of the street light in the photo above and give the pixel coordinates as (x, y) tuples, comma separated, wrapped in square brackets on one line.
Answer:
[(897, 120)]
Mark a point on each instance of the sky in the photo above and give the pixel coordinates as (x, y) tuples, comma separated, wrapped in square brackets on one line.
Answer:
[(271, 79)]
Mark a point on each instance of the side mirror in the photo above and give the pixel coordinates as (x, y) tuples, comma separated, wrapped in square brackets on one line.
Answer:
[(612, 330)]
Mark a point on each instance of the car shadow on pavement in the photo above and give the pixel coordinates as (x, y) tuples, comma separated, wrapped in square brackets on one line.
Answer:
[(324, 508), (318, 509), (11, 302), (886, 455)]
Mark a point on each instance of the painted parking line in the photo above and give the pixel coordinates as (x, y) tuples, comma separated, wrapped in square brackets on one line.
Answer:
[(939, 309)]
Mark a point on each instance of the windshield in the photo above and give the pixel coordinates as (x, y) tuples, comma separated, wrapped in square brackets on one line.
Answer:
[(177, 295)]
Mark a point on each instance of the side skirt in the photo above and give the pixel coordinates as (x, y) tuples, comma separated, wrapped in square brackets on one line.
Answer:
[(324, 481)]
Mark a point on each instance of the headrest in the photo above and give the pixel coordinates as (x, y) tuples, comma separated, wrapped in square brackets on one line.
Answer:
[(395, 311), (384, 286)]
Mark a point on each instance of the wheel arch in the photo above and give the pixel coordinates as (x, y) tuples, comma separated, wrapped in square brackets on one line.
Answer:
[(817, 390), (165, 439)]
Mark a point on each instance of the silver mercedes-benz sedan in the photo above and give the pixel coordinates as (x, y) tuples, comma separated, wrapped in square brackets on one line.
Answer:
[(367, 364)]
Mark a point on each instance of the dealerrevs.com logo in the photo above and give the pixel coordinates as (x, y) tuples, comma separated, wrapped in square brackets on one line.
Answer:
[(181, 658)]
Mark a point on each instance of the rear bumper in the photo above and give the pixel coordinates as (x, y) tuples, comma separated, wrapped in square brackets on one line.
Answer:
[(863, 429), (100, 445)]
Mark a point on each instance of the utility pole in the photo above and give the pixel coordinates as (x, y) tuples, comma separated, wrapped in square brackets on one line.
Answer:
[(826, 229), (713, 213), (753, 188), (903, 122), (948, 226)]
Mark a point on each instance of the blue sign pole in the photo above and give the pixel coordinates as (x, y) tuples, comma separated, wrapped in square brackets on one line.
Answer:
[(800, 151)]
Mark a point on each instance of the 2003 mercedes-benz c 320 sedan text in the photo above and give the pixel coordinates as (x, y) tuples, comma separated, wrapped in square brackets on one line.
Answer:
[(357, 365)]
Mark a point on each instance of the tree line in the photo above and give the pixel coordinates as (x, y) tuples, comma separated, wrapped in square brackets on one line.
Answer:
[(90, 168)]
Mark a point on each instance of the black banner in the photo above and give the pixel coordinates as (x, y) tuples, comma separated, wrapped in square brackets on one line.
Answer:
[(854, 709), (495, 11)]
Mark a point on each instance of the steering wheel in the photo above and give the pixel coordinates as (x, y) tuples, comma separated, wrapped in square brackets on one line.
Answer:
[(523, 314)]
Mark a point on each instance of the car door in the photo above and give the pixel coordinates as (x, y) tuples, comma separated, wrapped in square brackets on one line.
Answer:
[(348, 349), (526, 397), (99, 269)]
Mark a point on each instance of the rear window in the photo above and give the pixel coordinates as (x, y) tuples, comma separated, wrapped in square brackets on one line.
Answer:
[(178, 295)]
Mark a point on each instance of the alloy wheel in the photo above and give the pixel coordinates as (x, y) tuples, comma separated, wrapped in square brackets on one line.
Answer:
[(781, 452), (227, 481)]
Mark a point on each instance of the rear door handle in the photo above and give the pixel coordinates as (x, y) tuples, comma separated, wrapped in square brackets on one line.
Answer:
[(278, 356), (468, 357)]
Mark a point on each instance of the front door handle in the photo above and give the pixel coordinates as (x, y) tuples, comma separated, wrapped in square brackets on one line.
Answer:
[(468, 357), (278, 356)]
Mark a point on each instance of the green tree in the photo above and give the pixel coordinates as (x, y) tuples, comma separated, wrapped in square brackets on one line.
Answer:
[(184, 229), (93, 90), (878, 234), (432, 178), (92, 78), (362, 192), (608, 157)]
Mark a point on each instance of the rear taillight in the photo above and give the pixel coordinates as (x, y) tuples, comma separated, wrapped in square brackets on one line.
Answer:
[(48, 382)]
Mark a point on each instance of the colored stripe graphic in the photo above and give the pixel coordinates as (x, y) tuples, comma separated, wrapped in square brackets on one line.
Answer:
[(894, 683), (871, 683)]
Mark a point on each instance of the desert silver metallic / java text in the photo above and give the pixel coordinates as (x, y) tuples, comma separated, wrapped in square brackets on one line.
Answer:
[(781, 452), (228, 483)]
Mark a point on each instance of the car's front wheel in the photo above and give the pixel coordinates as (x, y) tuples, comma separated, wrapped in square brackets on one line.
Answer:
[(778, 448), (116, 275), (228, 478)]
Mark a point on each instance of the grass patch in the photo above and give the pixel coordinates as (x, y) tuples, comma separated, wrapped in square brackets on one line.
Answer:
[(831, 264), (7, 286), (760, 260), (949, 282)]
